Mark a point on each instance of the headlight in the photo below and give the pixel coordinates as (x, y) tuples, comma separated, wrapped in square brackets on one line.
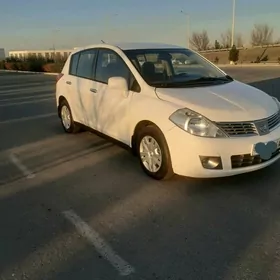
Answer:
[(276, 101), (196, 124)]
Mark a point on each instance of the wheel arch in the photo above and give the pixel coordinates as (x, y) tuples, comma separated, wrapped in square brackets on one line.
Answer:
[(140, 125), (60, 100)]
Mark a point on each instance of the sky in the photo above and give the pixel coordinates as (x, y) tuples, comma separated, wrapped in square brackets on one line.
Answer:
[(37, 24)]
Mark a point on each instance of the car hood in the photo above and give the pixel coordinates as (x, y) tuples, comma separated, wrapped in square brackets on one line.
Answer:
[(232, 101)]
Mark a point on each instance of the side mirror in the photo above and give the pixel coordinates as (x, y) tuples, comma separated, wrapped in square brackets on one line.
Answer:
[(118, 84)]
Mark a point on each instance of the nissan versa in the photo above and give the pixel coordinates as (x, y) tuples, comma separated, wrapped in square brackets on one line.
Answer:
[(187, 118)]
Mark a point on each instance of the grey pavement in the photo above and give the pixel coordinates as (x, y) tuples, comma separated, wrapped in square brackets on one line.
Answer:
[(130, 227)]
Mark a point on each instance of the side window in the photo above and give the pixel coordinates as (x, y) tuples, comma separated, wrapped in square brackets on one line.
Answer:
[(73, 64), (86, 64), (110, 64)]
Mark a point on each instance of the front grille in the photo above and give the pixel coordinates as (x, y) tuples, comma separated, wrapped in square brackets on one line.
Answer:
[(238, 129), (238, 161), (250, 128)]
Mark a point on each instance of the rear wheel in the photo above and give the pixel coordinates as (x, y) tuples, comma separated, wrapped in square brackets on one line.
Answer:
[(67, 121), (153, 153)]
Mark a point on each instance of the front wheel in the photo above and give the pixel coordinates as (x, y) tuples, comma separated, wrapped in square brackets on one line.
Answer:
[(153, 153)]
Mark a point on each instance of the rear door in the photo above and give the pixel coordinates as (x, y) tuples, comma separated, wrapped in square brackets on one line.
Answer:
[(70, 91), (84, 87)]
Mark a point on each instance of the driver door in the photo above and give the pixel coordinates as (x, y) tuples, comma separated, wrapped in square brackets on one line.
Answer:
[(114, 107)]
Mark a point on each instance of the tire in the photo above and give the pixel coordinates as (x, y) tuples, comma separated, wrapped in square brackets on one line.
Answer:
[(162, 170), (70, 127)]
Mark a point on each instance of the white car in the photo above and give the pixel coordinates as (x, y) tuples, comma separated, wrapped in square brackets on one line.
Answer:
[(194, 121)]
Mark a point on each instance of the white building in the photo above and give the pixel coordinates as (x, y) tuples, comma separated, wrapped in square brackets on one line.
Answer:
[(48, 54), (2, 54)]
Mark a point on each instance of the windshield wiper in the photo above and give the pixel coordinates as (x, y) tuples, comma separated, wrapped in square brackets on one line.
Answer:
[(210, 79), (199, 81)]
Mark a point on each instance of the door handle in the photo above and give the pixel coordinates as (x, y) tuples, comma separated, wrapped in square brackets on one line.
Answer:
[(68, 83), (93, 90)]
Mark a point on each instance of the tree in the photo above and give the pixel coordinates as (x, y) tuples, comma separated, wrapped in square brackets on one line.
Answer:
[(239, 41), (261, 35), (226, 39), (200, 40), (233, 54), (217, 45)]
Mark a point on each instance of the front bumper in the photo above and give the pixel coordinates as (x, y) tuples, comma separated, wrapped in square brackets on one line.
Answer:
[(185, 152)]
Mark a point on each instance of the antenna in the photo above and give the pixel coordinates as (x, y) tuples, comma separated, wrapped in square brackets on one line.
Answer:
[(103, 42)]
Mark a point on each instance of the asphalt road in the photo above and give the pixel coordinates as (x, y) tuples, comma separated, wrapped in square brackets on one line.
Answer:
[(79, 207)]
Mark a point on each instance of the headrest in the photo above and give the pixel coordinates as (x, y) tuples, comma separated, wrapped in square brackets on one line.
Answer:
[(148, 66)]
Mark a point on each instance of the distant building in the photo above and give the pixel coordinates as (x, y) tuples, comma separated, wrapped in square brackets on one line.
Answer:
[(2, 54), (48, 54)]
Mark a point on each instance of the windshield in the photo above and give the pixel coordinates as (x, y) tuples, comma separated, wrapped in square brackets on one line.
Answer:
[(175, 68)]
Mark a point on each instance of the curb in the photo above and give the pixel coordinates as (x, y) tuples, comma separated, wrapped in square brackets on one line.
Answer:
[(29, 72), (248, 65)]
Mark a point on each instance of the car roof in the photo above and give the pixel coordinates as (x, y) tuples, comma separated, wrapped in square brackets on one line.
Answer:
[(131, 46)]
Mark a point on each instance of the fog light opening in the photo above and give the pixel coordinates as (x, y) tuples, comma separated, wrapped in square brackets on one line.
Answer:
[(211, 162)]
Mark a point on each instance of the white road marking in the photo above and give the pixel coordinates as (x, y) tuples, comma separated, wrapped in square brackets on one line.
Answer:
[(100, 245), (19, 85), (21, 167), (27, 102), (26, 97), (23, 84), (28, 118), (23, 91)]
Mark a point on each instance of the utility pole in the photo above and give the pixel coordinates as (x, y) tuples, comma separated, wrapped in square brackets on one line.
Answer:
[(233, 22), (188, 28)]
